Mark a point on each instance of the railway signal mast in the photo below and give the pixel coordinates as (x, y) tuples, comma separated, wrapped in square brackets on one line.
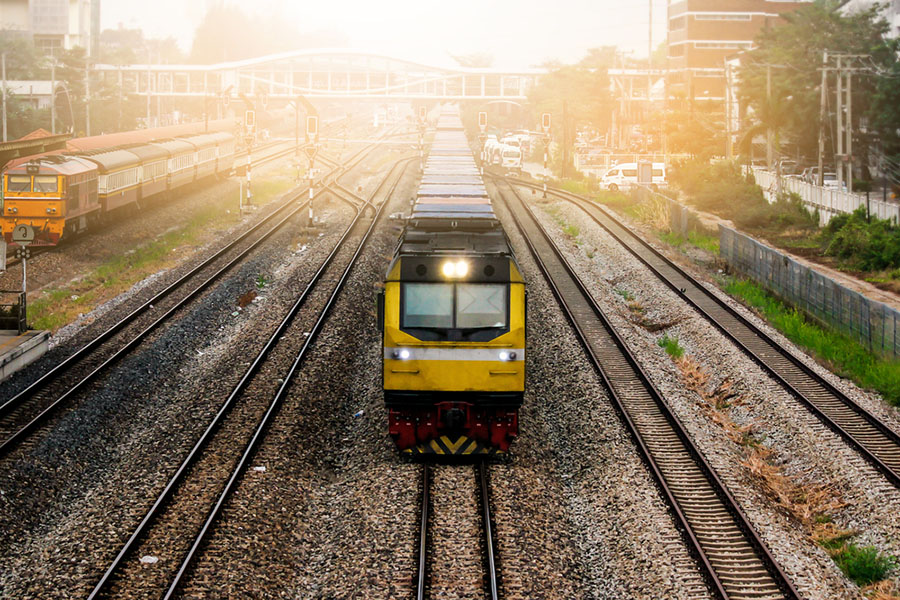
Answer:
[(545, 125), (423, 115), (311, 149), (482, 137)]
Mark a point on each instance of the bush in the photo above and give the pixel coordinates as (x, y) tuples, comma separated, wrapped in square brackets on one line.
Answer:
[(863, 564), (868, 245)]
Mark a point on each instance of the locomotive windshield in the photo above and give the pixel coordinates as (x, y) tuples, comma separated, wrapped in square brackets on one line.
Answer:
[(18, 183), (46, 183), (462, 306)]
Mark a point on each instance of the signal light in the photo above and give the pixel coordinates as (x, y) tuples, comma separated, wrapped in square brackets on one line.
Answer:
[(482, 120), (250, 119), (312, 126), (545, 121)]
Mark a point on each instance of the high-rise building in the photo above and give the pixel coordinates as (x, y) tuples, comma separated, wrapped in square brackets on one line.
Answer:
[(703, 33), (54, 24)]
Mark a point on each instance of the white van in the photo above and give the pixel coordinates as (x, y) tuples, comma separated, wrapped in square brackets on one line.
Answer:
[(511, 158), (625, 175)]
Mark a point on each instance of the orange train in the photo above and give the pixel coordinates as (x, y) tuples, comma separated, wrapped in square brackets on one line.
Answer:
[(60, 194)]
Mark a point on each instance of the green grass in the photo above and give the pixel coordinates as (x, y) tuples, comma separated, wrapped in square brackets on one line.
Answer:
[(56, 308), (671, 345), (704, 241), (571, 230), (863, 564), (576, 187), (628, 296), (846, 356)]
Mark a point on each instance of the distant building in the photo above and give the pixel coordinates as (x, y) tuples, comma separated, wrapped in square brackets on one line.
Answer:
[(36, 93), (891, 11), (54, 25), (702, 33)]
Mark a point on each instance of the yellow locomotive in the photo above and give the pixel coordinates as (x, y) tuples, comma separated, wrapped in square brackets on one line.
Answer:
[(453, 315)]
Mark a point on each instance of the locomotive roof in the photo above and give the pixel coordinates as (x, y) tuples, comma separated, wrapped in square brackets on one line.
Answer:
[(62, 165)]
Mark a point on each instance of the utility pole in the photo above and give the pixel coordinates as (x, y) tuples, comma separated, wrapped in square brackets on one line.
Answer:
[(649, 57), (565, 155), (849, 131), (149, 89), (3, 59), (87, 97), (53, 96), (769, 133), (822, 99), (839, 133), (729, 150)]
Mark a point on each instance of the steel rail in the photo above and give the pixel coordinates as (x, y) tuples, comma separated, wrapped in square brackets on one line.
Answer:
[(735, 560), (53, 374), (285, 385), (481, 470), (195, 454), (422, 574), (866, 433)]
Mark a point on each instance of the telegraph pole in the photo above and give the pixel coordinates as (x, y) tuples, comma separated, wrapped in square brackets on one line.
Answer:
[(839, 133), (3, 60), (822, 100), (53, 96), (87, 97), (849, 132), (770, 137), (729, 150)]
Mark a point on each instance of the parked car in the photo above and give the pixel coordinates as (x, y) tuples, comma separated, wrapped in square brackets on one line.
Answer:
[(624, 175)]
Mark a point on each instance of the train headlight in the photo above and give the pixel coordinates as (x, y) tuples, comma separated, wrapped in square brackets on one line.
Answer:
[(401, 354), (504, 356), (455, 268)]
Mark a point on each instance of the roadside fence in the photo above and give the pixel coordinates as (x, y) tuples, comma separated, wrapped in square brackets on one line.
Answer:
[(874, 324)]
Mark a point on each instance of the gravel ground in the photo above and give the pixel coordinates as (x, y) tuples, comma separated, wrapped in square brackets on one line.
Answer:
[(802, 446), (94, 463), (586, 518), (334, 512), (457, 547)]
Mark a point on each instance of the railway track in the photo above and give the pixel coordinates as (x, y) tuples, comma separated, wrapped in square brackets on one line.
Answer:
[(32, 407), (490, 583), (733, 558), (874, 440), (178, 521)]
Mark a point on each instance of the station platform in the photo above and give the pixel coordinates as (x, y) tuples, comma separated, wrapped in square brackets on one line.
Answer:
[(17, 351)]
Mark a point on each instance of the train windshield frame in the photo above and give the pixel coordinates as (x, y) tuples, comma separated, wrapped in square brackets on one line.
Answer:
[(459, 311), (46, 184), (18, 183)]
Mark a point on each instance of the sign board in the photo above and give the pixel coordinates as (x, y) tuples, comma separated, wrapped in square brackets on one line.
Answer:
[(311, 150), (250, 119), (545, 122), (312, 127), (23, 235), (482, 121)]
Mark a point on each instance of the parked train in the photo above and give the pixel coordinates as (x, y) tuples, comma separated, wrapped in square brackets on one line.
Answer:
[(60, 194), (453, 314)]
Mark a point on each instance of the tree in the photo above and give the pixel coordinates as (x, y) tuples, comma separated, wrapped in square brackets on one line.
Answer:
[(793, 52)]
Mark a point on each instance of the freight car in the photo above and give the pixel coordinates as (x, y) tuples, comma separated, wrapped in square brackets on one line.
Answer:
[(453, 314), (60, 194)]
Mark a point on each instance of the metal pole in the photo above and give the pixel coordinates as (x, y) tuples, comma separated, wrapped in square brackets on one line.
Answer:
[(87, 98), (149, 90), (839, 134), (822, 100), (3, 58), (769, 133), (729, 150), (24, 273), (53, 96), (241, 200), (849, 131), (649, 55)]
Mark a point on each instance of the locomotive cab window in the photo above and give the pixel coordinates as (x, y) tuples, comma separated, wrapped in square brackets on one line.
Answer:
[(461, 311), (46, 184), (18, 183)]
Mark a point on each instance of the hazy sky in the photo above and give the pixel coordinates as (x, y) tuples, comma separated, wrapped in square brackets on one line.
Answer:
[(517, 33)]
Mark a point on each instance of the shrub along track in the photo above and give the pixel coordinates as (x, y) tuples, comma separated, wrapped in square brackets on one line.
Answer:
[(734, 559), (865, 432)]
